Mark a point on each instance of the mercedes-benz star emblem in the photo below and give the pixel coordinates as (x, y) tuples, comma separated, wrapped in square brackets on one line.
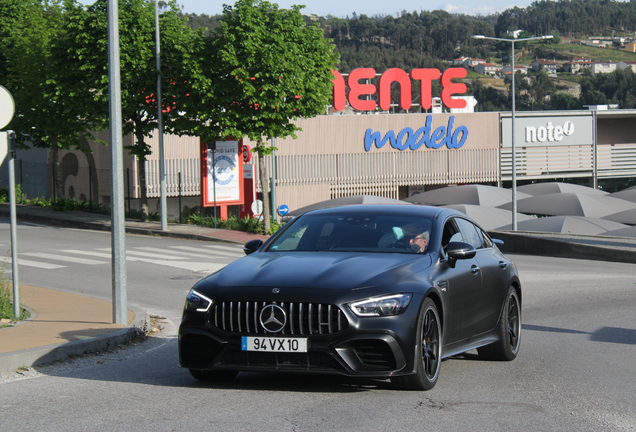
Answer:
[(276, 290), (273, 318)]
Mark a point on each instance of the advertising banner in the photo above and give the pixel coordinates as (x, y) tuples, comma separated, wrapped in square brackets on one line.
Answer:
[(535, 131), (222, 173)]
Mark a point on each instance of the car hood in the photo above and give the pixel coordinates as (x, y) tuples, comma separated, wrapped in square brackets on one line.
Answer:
[(328, 270)]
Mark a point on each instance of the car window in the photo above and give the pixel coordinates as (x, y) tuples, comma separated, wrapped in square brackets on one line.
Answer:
[(485, 238), (469, 233), (451, 233), (354, 232)]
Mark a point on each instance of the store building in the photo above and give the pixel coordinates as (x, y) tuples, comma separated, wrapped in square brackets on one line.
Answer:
[(391, 155)]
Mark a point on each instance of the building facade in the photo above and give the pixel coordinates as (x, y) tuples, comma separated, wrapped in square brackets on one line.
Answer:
[(389, 155)]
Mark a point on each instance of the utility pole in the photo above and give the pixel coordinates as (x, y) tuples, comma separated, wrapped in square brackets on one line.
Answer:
[(118, 227)]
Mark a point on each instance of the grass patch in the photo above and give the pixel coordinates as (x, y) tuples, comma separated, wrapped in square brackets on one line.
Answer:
[(6, 306)]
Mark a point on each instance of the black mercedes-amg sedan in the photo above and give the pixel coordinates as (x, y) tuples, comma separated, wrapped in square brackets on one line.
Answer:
[(384, 291)]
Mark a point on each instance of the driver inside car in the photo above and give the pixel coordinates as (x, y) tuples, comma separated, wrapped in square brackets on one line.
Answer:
[(417, 235)]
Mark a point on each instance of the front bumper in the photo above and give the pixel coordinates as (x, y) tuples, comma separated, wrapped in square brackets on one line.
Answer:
[(367, 347)]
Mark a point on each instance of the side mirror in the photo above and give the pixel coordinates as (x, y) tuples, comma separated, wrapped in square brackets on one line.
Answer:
[(252, 246), (498, 242), (458, 251)]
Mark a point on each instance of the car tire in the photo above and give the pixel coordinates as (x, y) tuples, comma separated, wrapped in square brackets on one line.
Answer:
[(508, 330), (428, 349), (213, 375)]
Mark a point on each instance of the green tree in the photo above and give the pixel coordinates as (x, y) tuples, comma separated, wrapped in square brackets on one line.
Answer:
[(564, 101), (49, 110), (266, 67), (538, 86), (86, 48)]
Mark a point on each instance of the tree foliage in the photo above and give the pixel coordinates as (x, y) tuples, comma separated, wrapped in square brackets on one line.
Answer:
[(618, 87), (571, 18), (86, 49), (266, 68), (50, 112)]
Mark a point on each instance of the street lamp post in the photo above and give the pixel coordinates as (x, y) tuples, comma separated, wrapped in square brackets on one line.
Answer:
[(514, 154), (162, 158)]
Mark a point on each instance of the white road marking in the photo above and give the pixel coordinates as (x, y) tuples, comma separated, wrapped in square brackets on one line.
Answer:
[(207, 251), (190, 254), (164, 256), (55, 257), (88, 253), (198, 267), (29, 263), (234, 249)]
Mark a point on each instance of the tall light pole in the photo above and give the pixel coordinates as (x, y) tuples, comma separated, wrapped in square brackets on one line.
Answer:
[(162, 166), (514, 153), (118, 226)]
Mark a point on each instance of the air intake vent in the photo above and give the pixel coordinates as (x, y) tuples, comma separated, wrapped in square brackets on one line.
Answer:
[(302, 318), (197, 350), (375, 354)]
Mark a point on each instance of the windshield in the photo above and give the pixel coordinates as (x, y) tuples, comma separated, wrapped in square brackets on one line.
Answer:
[(356, 233)]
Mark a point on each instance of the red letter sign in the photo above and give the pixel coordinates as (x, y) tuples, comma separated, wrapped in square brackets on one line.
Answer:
[(425, 77), (449, 88), (357, 89), (388, 78), (339, 101)]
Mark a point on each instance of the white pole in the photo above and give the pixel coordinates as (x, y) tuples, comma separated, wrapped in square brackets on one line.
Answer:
[(514, 153), (14, 234)]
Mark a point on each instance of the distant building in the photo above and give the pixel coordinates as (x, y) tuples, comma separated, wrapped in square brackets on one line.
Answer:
[(460, 60), (627, 64), (518, 68), (606, 67), (470, 63), (437, 107), (487, 69), (576, 66), (548, 66), (630, 47), (514, 33)]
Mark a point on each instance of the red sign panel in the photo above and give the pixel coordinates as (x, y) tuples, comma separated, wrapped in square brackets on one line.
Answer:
[(424, 76)]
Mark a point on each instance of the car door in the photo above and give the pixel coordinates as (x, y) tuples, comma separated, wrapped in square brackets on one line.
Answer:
[(493, 278), (461, 286)]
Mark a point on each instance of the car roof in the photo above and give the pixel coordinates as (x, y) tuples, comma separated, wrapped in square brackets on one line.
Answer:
[(394, 209)]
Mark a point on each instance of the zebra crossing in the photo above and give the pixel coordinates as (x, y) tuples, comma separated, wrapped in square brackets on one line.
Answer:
[(201, 259)]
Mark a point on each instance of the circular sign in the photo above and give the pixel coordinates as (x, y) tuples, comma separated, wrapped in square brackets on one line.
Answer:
[(223, 170), (283, 209), (7, 107), (247, 155), (257, 207)]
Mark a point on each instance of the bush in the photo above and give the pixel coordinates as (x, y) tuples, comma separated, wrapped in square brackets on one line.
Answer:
[(4, 194), (232, 223)]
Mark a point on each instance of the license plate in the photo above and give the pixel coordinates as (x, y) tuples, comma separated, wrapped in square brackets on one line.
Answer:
[(270, 344)]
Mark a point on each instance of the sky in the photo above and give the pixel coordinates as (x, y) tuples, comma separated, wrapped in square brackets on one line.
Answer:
[(342, 8)]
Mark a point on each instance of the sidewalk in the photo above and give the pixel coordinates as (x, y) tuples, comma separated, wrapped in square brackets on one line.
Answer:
[(66, 324)]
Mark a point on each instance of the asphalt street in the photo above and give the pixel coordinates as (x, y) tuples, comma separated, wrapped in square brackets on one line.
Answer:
[(574, 371)]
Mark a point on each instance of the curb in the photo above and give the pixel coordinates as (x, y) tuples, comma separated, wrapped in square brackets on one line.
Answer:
[(10, 362), (105, 226)]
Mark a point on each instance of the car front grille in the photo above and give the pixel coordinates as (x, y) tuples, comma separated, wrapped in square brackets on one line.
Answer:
[(302, 318), (308, 361)]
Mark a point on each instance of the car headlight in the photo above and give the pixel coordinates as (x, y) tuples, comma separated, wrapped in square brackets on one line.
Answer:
[(198, 302), (381, 306)]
